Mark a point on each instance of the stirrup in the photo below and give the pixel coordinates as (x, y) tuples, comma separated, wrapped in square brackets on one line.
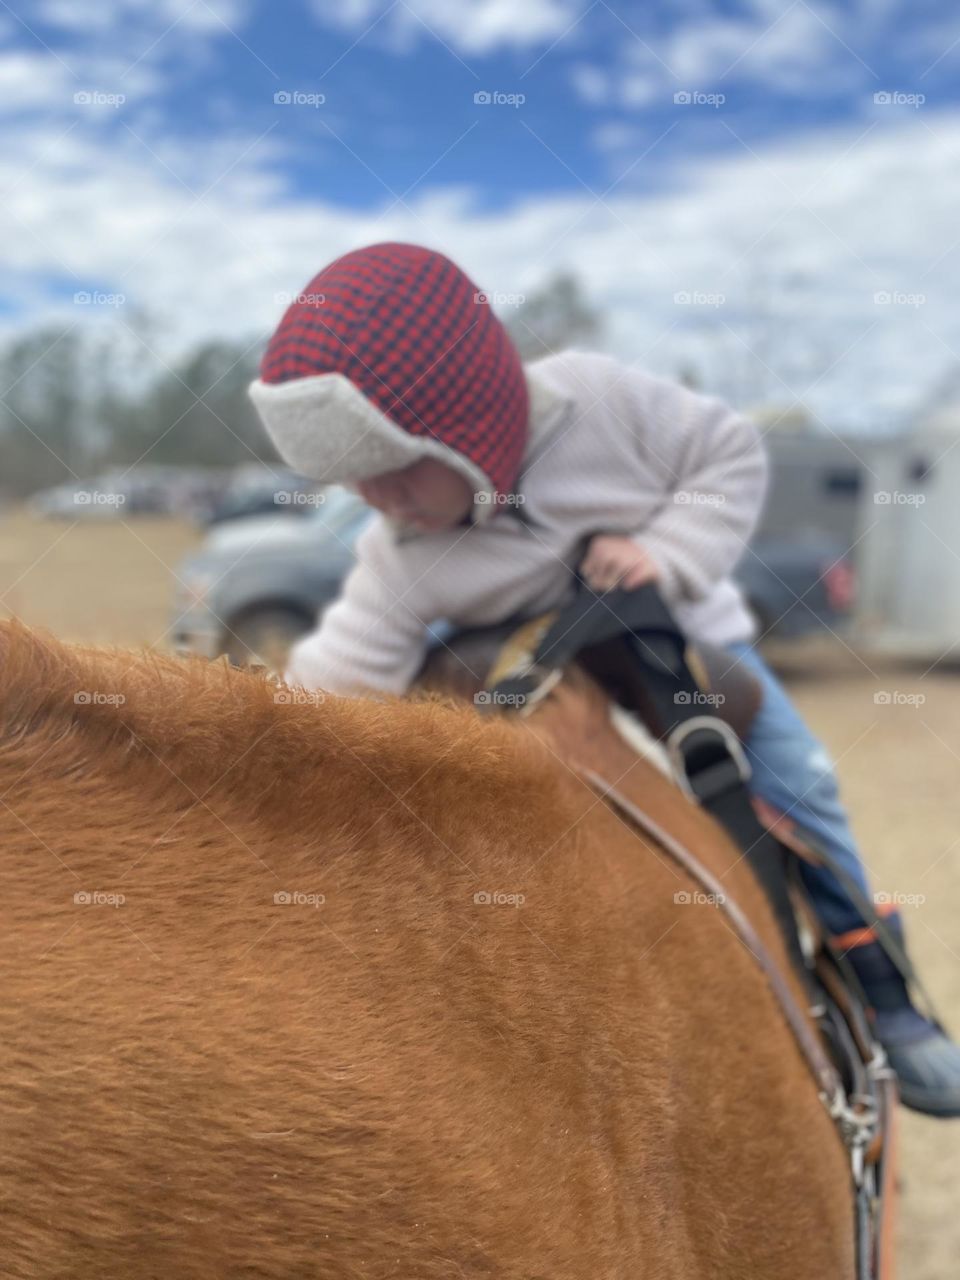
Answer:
[(725, 764)]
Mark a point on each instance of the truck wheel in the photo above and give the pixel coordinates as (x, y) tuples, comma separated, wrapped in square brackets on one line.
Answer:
[(265, 638)]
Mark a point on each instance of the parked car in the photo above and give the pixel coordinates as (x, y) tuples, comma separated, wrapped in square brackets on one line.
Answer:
[(797, 586), (99, 499), (123, 492), (257, 585), (257, 490)]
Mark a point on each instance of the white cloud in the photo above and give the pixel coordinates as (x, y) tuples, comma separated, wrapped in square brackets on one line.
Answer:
[(703, 50), (82, 16), (105, 48), (792, 43), (593, 84), (32, 80), (797, 242), (789, 50), (615, 136), (471, 29)]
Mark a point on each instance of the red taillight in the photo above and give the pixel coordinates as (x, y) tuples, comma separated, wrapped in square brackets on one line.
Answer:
[(840, 583)]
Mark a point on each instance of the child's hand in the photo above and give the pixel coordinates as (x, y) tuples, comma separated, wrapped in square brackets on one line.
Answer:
[(614, 560)]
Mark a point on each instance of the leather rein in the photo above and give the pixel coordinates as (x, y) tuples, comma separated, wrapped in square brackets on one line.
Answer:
[(860, 1098)]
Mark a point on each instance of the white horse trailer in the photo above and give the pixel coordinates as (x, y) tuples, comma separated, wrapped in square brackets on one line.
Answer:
[(908, 555)]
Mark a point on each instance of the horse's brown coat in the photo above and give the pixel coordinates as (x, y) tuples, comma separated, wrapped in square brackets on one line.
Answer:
[(400, 1082)]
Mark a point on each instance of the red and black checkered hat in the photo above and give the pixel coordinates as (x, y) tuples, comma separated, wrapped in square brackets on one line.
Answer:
[(389, 355)]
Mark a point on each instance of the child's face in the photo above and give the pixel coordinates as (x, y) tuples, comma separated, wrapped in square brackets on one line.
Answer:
[(428, 495)]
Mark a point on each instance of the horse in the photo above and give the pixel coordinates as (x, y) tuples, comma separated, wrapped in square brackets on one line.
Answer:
[(297, 985)]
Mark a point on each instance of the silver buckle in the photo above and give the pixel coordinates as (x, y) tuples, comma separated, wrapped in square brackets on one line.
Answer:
[(683, 730)]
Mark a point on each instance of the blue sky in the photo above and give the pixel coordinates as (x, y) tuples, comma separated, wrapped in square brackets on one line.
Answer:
[(598, 82), (145, 156)]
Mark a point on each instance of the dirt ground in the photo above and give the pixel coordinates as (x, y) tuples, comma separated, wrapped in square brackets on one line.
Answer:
[(893, 730)]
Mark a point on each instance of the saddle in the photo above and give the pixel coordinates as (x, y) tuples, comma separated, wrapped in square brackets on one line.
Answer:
[(728, 690), (700, 705)]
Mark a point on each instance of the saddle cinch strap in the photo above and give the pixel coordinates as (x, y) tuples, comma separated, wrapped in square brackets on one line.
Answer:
[(631, 644)]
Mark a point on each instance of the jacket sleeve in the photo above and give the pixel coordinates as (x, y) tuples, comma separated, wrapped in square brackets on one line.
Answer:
[(713, 468), (370, 639)]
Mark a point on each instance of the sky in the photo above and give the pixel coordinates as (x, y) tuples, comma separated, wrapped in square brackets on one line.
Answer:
[(765, 192)]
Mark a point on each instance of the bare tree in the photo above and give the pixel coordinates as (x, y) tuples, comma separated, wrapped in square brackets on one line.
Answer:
[(555, 317)]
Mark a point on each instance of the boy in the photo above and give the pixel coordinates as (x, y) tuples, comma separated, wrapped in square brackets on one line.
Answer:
[(391, 373)]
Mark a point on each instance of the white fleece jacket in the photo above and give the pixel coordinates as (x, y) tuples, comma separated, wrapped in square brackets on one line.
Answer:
[(611, 450)]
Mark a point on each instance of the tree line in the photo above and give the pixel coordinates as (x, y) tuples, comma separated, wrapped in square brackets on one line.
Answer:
[(75, 399)]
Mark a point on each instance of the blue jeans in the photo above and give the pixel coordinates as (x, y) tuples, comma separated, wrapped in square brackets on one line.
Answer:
[(793, 772)]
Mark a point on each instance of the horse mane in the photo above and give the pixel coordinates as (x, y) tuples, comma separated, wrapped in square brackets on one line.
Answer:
[(182, 728)]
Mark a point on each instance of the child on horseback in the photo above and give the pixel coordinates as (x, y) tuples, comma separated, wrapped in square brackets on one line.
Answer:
[(392, 374)]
